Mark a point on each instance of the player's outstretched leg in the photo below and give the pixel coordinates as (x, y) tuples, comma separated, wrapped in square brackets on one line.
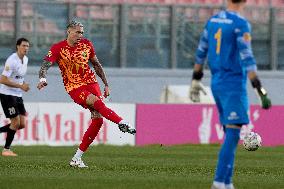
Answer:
[(125, 127), (88, 138)]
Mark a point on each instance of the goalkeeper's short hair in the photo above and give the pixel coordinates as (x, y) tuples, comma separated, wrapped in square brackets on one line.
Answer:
[(238, 1)]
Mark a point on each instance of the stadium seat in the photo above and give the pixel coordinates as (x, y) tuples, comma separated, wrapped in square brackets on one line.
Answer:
[(184, 1), (6, 26), (280, 16), (167, 2), (28, 10), (277, 3), (96, 1), (104, 12), (7, 9), (262, 3), (94, 12), (47, 26), (81, 11), (27, 25)]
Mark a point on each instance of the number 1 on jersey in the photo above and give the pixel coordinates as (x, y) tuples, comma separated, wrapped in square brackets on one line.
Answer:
[(218, 37)]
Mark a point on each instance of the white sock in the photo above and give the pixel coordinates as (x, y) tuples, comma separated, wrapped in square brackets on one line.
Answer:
[(219, 184), (229, 186), (123, 122), (79, 153)]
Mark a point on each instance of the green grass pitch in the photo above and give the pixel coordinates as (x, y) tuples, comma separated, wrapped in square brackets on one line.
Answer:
[(153, 167)]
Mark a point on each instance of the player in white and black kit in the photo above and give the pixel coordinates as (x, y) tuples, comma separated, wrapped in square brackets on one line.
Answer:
[(12, 85)]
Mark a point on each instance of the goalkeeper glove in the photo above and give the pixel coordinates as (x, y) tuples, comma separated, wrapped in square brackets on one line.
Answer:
[(265, 101), (194, 91)]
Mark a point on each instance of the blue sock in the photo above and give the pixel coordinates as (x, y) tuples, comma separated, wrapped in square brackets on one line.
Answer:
[(228, 178), (224, 170)]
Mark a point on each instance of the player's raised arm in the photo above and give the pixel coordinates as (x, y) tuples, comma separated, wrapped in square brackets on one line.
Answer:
[(100, 72), (42, 74)]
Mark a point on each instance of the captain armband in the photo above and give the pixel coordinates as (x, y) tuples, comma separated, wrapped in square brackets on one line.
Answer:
[(197, 75)]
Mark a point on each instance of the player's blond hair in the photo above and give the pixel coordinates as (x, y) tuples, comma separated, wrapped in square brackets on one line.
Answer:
[(74, 23)]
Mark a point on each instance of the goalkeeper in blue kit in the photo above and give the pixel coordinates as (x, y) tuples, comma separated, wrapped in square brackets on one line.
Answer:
[(226, 43)]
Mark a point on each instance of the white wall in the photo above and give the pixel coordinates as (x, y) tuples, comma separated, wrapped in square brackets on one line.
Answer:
[(142, 85)]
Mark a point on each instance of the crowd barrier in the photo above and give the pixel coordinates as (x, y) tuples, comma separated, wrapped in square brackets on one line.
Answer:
[(195, 124), (63, 124)]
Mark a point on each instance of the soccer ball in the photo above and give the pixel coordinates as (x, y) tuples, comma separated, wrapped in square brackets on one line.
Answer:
[(252, 141)]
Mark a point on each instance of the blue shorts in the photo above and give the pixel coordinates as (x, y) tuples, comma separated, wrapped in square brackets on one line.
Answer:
[(232, 106)]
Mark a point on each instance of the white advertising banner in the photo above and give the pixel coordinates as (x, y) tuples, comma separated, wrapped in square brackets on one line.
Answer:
[(62, 124)]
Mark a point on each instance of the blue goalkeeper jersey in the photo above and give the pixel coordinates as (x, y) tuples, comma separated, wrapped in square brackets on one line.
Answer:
[(226, 43)]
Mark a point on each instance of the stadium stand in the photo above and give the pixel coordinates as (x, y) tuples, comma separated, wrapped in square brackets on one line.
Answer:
[(7, 13), (262, 3), (6, 26), (258, 2), (277, 3), (150, 1), (203, 14), (148, 27), (94, 12)]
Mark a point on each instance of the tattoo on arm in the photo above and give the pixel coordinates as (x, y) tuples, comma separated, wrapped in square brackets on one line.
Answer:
[(99, 71), (43, 70)]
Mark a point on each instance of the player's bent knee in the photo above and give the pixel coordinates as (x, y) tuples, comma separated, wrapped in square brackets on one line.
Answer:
[(15, 123), (91, 99), (236, 126), (14, 126)]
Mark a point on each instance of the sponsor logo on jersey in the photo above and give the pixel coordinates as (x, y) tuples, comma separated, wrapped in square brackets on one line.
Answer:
[(247, 37), (222, 20), (233, 116), (84, 54), (7, 68), (49, 54)]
